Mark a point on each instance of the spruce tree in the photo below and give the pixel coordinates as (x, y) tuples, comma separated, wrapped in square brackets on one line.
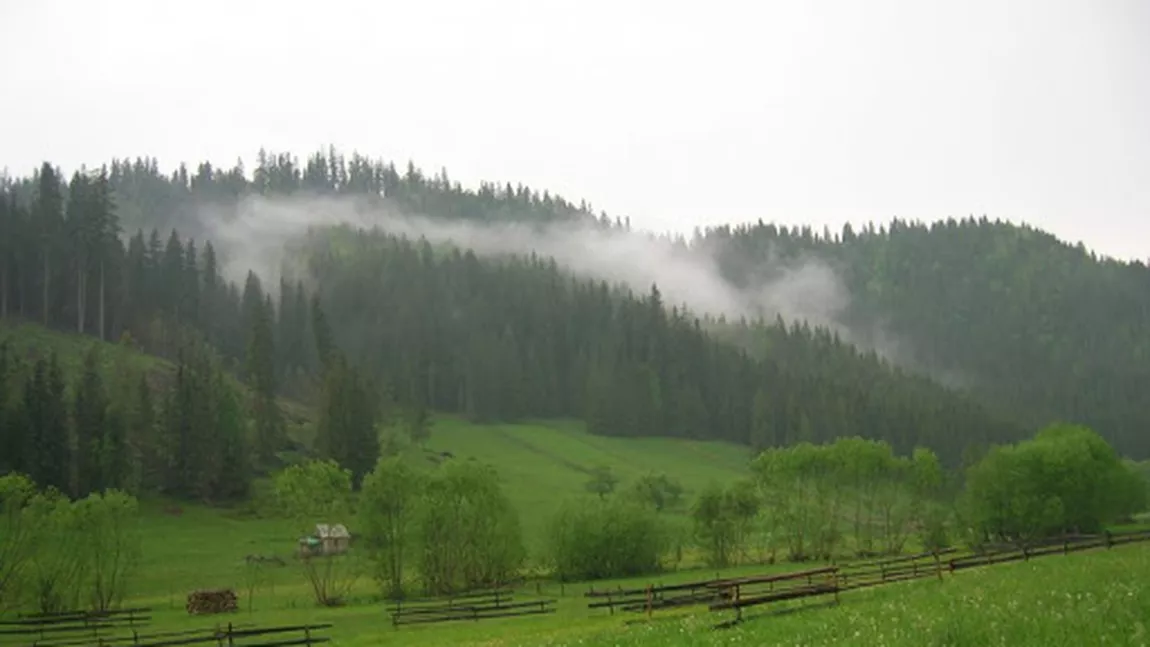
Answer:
[(49, 459), (49, 220), (261, 378), (89, 412)]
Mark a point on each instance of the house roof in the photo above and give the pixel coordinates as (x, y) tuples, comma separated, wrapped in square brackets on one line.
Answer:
[(333, 531)]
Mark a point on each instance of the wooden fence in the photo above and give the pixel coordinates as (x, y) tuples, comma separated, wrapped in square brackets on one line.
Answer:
[(70, 628), (737, 594), (652, 597), (474, 606), (126, 634)]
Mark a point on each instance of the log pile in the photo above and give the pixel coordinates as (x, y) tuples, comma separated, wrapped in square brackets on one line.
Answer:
[(205, 602)]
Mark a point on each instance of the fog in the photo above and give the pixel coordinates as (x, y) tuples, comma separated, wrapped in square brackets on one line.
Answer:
[(255, 236)]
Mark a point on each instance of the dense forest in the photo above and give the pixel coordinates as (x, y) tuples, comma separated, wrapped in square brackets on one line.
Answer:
[(1032, 324), (377, 324)]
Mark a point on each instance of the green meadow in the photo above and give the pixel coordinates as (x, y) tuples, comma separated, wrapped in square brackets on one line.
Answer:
[(1090, 598)]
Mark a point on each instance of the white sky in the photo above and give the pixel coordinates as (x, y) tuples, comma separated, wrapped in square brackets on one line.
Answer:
[(672, 113)]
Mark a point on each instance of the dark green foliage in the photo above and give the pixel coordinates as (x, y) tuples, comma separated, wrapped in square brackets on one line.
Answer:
[(260, 372), (204, 436), (11, 453), (89, 417), (1038, 329), (659, 491), (602, 481), (47, 454), (348, 412), (723, 519), (592, 539)]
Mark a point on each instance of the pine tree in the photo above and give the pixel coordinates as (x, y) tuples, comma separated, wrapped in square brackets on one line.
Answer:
[(8, 242), (49, 219), (115, 469), (107, 243), (10, 433), (260, 373), (346, 430), (89, 418), (49, 460), (233, 479), (143, 448)]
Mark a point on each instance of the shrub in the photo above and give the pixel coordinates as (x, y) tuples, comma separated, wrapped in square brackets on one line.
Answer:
[(602, 539)]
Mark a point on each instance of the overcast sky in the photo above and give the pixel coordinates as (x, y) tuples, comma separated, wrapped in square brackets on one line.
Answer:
[(673, 113)]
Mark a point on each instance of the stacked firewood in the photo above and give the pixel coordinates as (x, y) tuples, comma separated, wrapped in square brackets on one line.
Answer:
[(219, 601)]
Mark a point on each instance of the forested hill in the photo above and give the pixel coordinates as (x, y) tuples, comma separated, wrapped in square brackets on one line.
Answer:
[(1029, 322), (507, 339)]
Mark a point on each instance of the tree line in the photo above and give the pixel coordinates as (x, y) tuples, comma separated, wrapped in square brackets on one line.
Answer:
[(1041, 329), (451, 528), (110, 428), (511, 338), (61, 554), (439, 328)]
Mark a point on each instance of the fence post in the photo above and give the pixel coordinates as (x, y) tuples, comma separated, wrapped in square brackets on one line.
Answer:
[(307, 635), (231, 638), (648, 601), (938, 565)]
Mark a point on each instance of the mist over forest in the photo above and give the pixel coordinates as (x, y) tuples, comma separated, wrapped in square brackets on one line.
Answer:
[(504, 302)]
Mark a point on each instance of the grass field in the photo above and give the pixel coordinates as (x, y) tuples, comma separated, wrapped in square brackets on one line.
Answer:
[(540, 464), (1091, 598)]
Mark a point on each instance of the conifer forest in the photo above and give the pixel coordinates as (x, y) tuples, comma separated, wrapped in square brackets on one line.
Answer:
[(303, 325)]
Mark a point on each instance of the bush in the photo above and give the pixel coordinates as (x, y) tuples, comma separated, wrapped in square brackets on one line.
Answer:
[(1065, 479), (469, 531), (723, 520), (601, 539)]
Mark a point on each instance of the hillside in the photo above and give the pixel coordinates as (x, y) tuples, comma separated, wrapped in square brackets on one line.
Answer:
[(568, 315), (1028, 322), (540, 462)]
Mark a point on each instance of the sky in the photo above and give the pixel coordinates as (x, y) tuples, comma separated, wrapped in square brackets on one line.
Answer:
[(675, 114)]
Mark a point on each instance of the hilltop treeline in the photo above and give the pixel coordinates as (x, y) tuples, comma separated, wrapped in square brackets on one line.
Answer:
[(1034, 325), (122, 250), (518, 338), (496, 340)]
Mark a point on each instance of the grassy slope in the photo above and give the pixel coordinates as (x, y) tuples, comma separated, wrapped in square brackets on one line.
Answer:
[(31, 342), (545, 462), (1087, 598), (1082, 599), (541, 464), (1092, 598)]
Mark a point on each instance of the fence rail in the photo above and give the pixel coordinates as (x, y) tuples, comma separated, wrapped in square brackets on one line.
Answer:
[(233, 635), (473, 606), (930, 564), (737, 594), (70, 628)]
